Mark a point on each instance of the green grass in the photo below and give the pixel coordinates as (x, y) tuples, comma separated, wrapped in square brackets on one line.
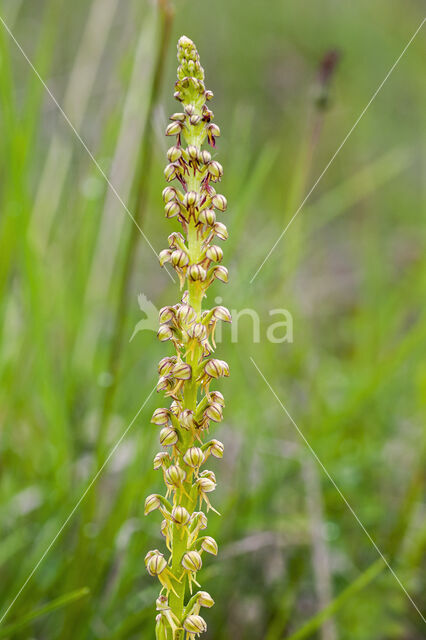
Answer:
[(351, 269)]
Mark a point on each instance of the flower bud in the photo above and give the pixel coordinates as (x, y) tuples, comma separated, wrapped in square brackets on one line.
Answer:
[(194, 457), (151, 504), (160, 416), (219, 201), (172, 209), (182, 371), (213, 368), (207, 216), (164, 333), (160, 459), (214, 412), (197, 331), (209, 545), (164, 383), (208, 474), (214, 253), (200, 520), (186, 314), (175, 240), (179, 258), (174, 475), (178, 117), (215, 169), (165, 314), (194, 624), (194, 119), (208, 94), (174, 128), (162, 603), (221, 313), (155, 563), (169, 193), (150, 554), (204, 599), (225, 368), (187, 419), (205, 485), (197, 272), (219, 272), (180, 515), (174, 153), (171, 171), (190, 199), (189, 109), (214, 130), (175, 406), (192, 152), (164, 528), (220, 230), (166, 365), (168, 437), (208, 115), (206, 157), (217, 396), (164, 256), (191, 561), (216, 448)]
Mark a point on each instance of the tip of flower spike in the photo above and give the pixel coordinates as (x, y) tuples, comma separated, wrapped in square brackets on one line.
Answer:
[(184, 42), (187, 49), (189, 59)]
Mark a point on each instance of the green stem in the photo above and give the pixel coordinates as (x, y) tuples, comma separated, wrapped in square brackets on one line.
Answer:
[(180, 540)]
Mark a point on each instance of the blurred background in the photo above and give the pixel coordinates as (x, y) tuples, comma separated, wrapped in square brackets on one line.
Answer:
[(290, 79)]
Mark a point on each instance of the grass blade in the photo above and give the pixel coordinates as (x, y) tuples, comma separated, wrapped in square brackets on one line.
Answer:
[(318, 620), (53, 605)]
